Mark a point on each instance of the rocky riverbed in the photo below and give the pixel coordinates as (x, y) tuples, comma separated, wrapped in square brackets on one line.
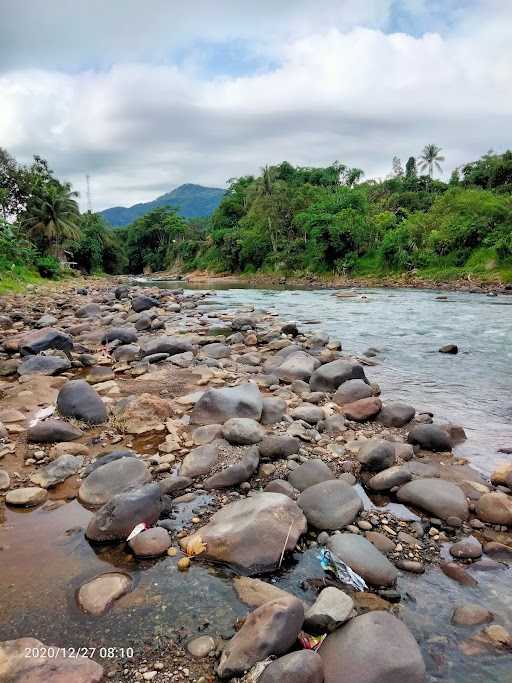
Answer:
[(181, 485)]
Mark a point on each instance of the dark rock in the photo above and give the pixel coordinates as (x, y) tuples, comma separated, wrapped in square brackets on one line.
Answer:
[(438, 497), (43, 365), (430, 437), (111, 478), (376, 455), (169, 345), (237, 473), (143, 303), (200, 460), (310, 473), (41, 340), (304, 666), (330, 504), (396, 414), (277, 447), (56, 471), (150, 543), (218, 405), (449, 348), (363, 558), (273, 410), (50, 431), (328, 377), (78, 399), (125, 335)]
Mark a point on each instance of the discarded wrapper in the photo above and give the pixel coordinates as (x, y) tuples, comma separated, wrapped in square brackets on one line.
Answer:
[(341, 570), (310, 642), (137, 530)]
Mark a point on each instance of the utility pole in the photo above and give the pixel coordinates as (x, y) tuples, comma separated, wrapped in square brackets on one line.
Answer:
[(88, 183)]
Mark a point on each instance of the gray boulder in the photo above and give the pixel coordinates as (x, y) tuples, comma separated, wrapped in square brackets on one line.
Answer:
[(115, 520), (237, 473), (125, 335), (143, 303), (332, 608), (297, 365), (277, 447), (273, 410), (388, 478), (310, 473), (330, 504), (242, 431), (372, 648), (430, 437), (440, 498), (51, 431), (216, 350), (111, 478), (334, 424), (363, 558), (126, 352), (328, 377), (396, 414), (304, 666), (309, 413), (47, 338), (270, 630), (376, 455), (43, 365), (200, 460), (169, 345), (352, 390), (78, 399), (218, 405)]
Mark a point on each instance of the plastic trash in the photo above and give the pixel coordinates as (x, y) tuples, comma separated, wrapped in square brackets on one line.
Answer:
[(310, 642), (254, 674), (41, 414), (137, 530), (341, 570)]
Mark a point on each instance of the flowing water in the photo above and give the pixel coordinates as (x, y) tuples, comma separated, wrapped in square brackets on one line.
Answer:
[(44, 556)]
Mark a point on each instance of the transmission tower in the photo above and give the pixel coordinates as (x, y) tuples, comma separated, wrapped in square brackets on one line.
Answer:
[(88, 183)]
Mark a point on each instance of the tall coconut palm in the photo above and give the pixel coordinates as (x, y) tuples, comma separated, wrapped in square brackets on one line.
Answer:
[(430, 158), (52, 214)]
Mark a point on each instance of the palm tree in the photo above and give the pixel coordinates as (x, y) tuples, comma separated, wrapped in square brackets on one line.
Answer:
[(429, 158), (52, 213)]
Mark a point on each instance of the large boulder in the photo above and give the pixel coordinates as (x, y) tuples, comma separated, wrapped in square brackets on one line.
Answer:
[(125, 335), (430, 437), (363, 558), (330, 505), (328, 377), (373, 648), (237, 473), (273, 411), (332, 608), (310, 473), (144, 303), (43, 365), (352, 390), (440, 498), (376, 455), (56, 471), (200, 460), (169, 345), (78, 399), (495, 508), (270, 630), (304, 666), (218, 405), (396, 414), (242, 431), (50, 431), (111, 478), (297, 365), (16, 667), (41, 340), (250, 534), (115, 520)]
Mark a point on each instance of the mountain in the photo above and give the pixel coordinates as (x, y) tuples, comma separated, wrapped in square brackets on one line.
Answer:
[(190, 200)]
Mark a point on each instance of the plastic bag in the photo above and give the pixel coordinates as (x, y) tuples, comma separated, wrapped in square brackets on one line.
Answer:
[(341, 570)]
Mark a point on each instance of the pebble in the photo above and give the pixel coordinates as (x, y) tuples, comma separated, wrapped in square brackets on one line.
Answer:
[(183, 564)]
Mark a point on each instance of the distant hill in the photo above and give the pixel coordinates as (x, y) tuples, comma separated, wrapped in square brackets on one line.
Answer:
[(190, 200)]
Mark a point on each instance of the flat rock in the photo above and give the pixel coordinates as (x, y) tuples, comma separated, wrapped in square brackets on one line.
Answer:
[(330, 505), (146, 413), (270, 630), (304, 666), (143, 303), (43, 365), (373, 648), (440, 498), (467, 548), (98, 595), (125, 335), (250, 534), (111, 478), (332, 608), (79, 400), (297, 365), (308, 412), (216, 406), (28, 496), (50, 431), (56, 471), (310, 473), (363, 558), (237, 473), (170, 345), (41, 340), (150, 543), (255, 592), (389, 478), (470, 614)]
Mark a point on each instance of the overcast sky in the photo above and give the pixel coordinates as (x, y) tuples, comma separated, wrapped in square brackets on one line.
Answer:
[(144, 96)]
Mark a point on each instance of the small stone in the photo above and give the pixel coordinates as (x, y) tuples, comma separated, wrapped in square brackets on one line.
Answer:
[(183, 564), (471, 615), (29, 496), (201, 647)]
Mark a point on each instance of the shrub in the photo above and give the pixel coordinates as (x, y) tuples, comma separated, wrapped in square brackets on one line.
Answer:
[(49, 267)]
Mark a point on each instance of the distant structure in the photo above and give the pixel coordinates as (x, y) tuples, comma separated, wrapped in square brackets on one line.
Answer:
[(88, 183)]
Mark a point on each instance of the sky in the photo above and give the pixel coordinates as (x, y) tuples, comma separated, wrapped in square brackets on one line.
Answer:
[(145, 96)]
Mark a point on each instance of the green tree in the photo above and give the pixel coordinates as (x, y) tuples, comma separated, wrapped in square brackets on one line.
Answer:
[(410, 168), (430, 158)]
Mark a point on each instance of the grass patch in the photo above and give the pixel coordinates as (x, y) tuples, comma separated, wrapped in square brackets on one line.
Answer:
[(14, 280)]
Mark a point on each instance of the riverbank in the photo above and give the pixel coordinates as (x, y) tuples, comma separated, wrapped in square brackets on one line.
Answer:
[(227, 423)]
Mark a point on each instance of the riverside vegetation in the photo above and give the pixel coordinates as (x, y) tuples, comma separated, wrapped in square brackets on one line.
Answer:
[(241, 448), (288, 221)]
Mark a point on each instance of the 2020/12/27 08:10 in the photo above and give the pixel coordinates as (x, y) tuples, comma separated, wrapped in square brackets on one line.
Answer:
[(75, 652)]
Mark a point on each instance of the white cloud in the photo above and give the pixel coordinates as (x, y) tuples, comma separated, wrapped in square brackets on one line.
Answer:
[(359, 96)]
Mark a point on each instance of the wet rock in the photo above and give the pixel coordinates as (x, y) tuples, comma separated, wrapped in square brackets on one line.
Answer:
[(237, 473), (467, 548), (498, 550), (457, 573), (290, 328), (298, 667), (36, 341), (362, 410), (376, 455), (389, 478), (5, 480), (495, 508), (98, 595), (111, 478), (363, 558), (255, 592), (18, 668), (116, 519), (250, 534), (298, 365), (310, 473), (308, 412), (144, 303), (273, 410), (328, 377), (78, 399), (43, 365), (449, 348), (218, 405), (430, 437), (352, 390), (330, 504), (242, 431), (169, 345), (470, 614), (200, 460), (277, 447), (29, 496), (125, 335), (281, 486), (412, 566), (373, 648), (440, 498), (150, 543), (332, 608), (396, 414), (56, 471), (50, 431), (270, 630), (201, 647)]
